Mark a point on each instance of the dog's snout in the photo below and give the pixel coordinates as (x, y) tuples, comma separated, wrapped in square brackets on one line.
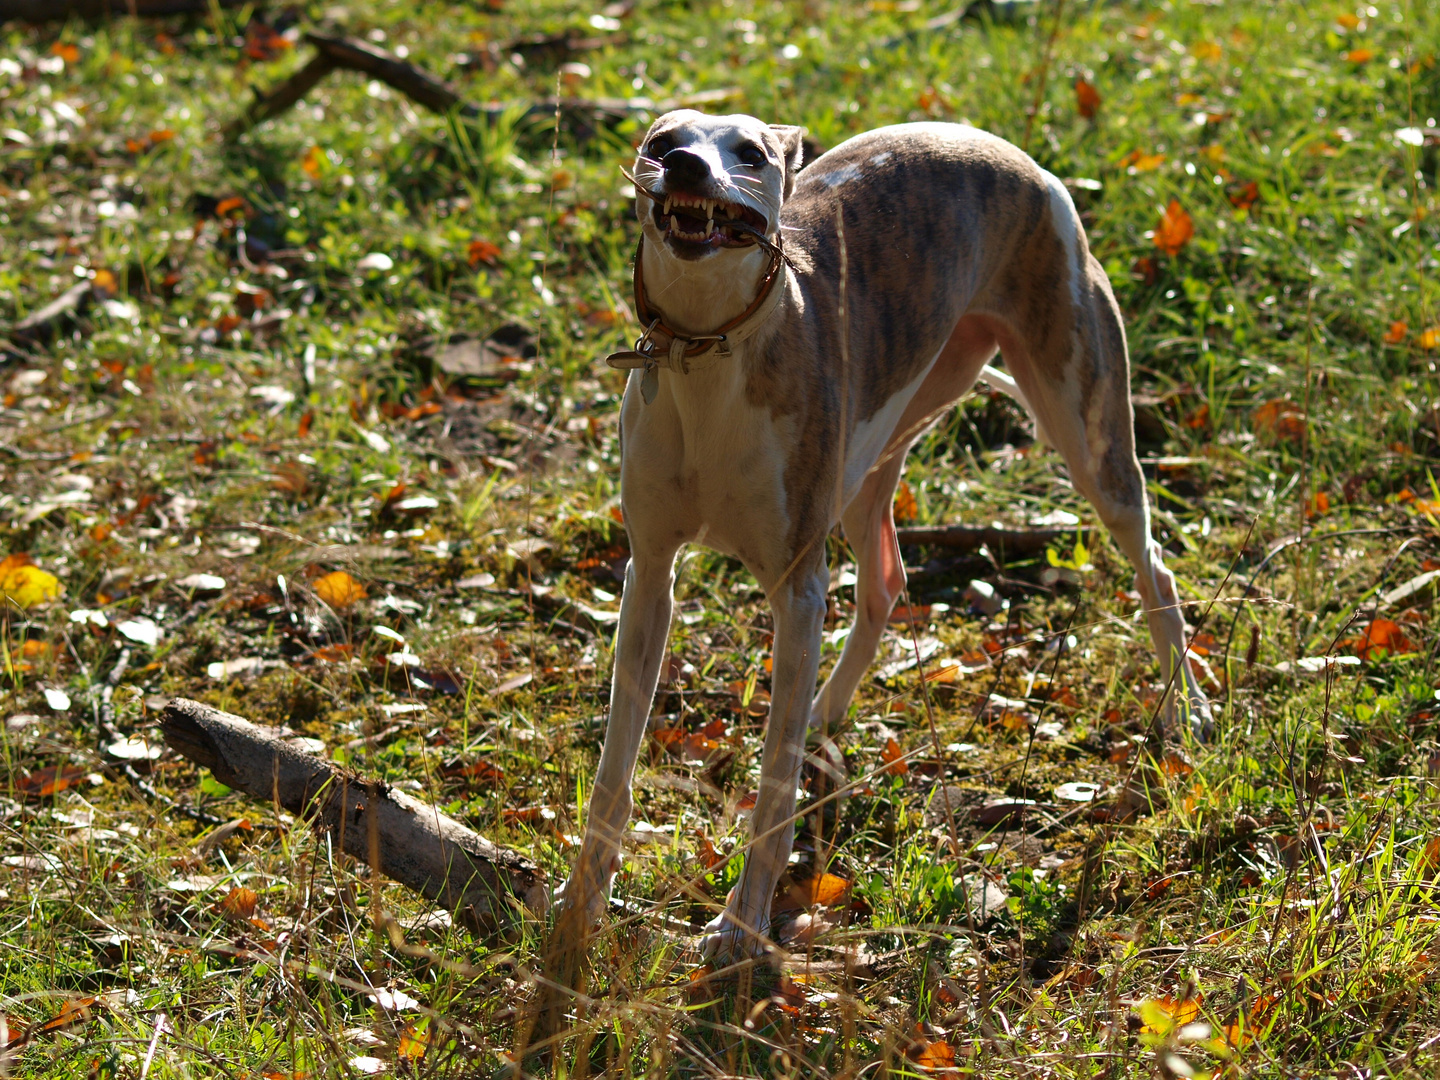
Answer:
[(685, 167)]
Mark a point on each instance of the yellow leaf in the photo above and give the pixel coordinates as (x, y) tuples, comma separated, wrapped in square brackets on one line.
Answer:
[(1430, 338), (24, 584), (338, 589)]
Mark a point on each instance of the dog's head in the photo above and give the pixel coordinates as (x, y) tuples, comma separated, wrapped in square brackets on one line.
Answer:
[(705, 184)]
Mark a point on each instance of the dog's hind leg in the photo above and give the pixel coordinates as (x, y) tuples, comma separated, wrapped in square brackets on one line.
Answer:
[(1075, 374), (645, 608), (798, 603)]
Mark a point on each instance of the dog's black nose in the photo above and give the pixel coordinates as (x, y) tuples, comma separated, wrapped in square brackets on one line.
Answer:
[(685, 167)]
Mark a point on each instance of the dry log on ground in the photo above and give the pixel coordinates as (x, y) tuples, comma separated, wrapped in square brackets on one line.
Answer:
[(42, 11), (415, 844), (351, 54), (971, 538)]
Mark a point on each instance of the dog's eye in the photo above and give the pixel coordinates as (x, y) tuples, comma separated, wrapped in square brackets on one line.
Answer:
[(660, 146), (751, 155)]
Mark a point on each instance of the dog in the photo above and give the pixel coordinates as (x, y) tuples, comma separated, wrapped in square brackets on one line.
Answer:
[(802, 329)]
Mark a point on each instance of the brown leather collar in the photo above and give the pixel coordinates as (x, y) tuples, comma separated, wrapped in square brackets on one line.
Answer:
[(660, 344)]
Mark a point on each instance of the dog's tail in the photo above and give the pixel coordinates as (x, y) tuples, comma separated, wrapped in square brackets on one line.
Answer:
[(999, 380)]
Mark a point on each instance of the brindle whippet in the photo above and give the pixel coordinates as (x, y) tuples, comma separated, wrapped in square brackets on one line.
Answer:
[(772, 397)]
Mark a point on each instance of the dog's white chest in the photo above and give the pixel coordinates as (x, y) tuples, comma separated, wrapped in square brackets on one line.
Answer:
[(702, 461)]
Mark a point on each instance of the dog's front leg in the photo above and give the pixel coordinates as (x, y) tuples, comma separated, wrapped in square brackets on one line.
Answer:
[(799, 608), (640, 647)]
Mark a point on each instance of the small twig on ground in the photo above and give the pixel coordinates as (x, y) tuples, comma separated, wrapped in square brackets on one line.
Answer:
[(414, 844)]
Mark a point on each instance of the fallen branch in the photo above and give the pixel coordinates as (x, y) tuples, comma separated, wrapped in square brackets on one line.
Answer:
[(41, 11), (351, 54), (39, 325), (414, 844), (969, 538)]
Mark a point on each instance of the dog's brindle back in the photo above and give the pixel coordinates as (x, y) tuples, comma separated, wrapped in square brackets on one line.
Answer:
[(956, 244)]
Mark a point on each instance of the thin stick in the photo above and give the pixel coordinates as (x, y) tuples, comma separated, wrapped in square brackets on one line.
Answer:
[(1042, 78)]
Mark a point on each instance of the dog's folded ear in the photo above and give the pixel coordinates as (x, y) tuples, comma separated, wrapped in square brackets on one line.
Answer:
[(791, 143)]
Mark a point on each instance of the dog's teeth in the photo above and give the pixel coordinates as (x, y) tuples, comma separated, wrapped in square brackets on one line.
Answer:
[(668, 200), (710, 223), (674, 226)]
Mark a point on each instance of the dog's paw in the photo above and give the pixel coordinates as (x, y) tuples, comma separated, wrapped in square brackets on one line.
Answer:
[(578, 901), (724, 942), (1191, 709)]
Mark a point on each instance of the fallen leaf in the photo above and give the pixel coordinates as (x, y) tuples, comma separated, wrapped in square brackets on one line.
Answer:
[(338, 589), (1137, 161), (1206, 50), (414, 1040), (935, 1055), (239, 903), (1163, 1015), (313, 162), (705, 851), (906, 506), (24, 584), (1430, 337), (894, 759), (1174, 230), (43, 783), (1087, 99), (1396, 334), (1244, 196), (482, 251), (827, 890), (1360, 56), (1279, 419), (1381, 637), (1348, 20)]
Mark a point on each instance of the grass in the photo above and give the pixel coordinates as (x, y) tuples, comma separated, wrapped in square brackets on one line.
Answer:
[(1276, 885)]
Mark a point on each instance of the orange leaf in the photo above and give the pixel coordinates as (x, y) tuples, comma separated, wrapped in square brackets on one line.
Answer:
[(306, 420), (748, 801), (705, 851), (1087, 99), (906, 507), (1396, 334), (338, 589), (894, 758), (1430, 857), (482, 251), (313, 162), (231, 205), (239, 903), (67, 52), (928, 99), (1175, 229), (935, 1055), (1318, 506), (414, 1040), (1381, 637), (1244, 196), (43, 783), (160, 135), (827, 890), (1280, 419), (1348, 21), (1360, 56), (1200, 418)]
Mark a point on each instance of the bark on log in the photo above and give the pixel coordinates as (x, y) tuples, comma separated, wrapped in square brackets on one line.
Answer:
[(401, 837), (970, 538), (42, 11)]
